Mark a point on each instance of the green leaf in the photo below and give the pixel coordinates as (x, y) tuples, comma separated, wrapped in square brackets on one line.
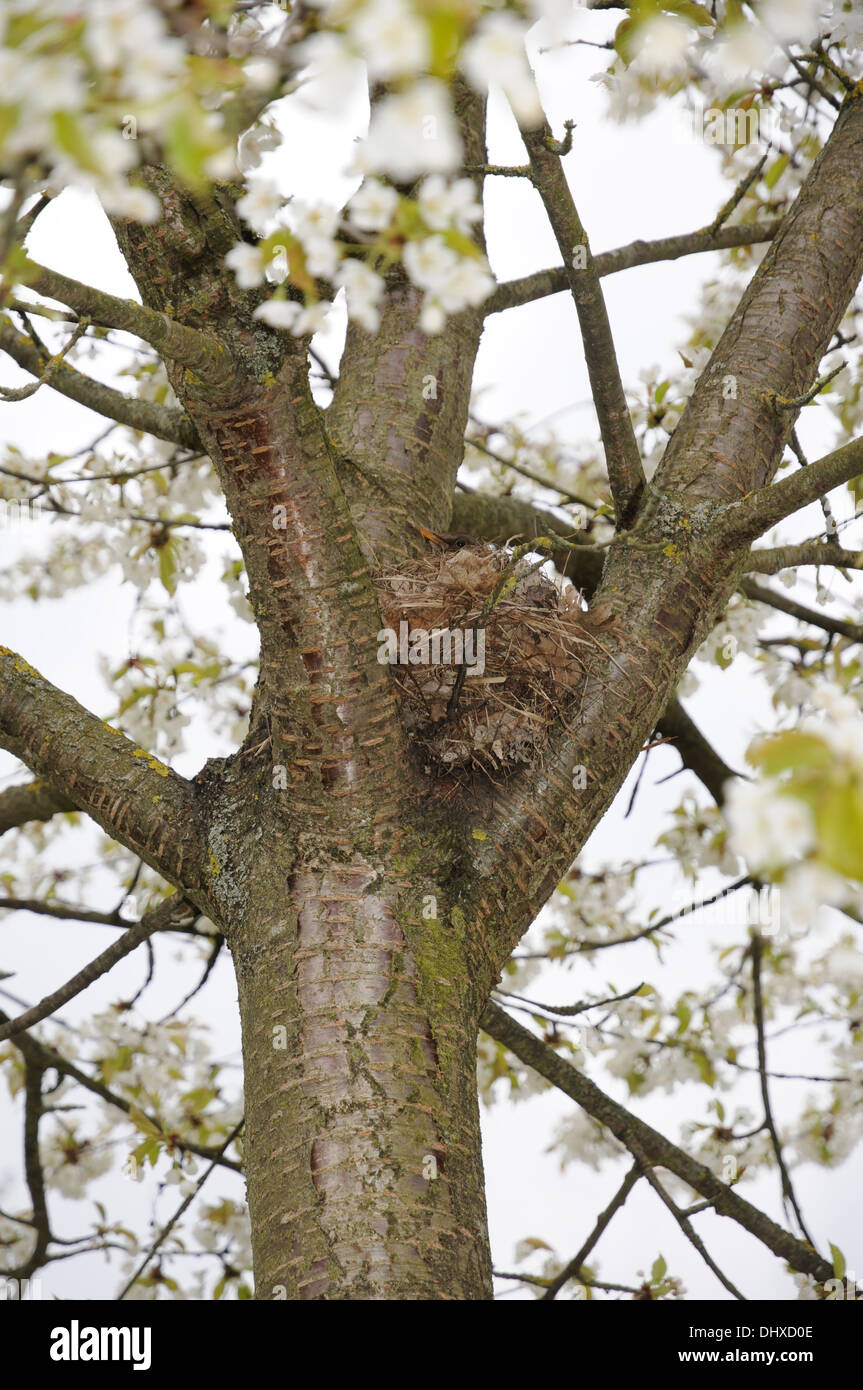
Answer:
[(696, 14), (839, 821), (168, 567), (626, 40), (70, 136), (790, 751), (705, 1067), (535, 1243), (838, 1261), (194, 668), (446, 30), (121, 1060), (774, 171), (147, 1152), (658, 1270), (137, 694)]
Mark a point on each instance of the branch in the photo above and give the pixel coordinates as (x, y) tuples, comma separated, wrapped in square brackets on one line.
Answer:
[(749, 178), (33, 1112), (622, 457), (49, 369), (769, 1121), (695, 751), (32, 1049), (647, 1145), (500, 519), (400, 406), (128, 792), (691, 1235), (36, 800), (149, 416), (730, 438), (184, 1205), (24, 224), (62, 911), (515, 466), (171, 912), (72, 912), (572, 1270), (664, 581), (783, 557), (753, 590), (201, 352), (755, 514), (545, 282)]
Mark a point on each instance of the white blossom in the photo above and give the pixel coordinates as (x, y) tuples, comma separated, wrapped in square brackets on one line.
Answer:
[(449, 204), (791, 20), (127, 200), (247, 262), (259, 206), (848, 28), (393, 40), (411, 133), (429, 262), (283, 313), (254, 143), (363, 289), (373, 205), (495, 56), (330, 71), (662, 45), (768, 828), (278, 313)]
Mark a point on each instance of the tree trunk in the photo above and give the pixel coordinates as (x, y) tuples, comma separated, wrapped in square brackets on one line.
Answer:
[(359, 1041)]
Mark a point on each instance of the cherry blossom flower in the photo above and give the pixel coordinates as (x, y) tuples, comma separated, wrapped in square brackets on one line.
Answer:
[(454, 204), (412, 133), (372, 206), (392, 39), (363, 290), (495, 56)]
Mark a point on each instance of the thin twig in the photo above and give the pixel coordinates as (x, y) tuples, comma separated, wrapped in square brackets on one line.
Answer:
[(691, 1235), (170, 1224), (571, 1270), (737, 196), (174, 907), (758, 999), (22, 393)]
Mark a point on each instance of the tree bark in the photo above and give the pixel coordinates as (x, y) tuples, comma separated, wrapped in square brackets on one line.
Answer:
[(363, 1159)]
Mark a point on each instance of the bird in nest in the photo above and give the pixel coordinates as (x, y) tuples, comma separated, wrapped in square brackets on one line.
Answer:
[(445, 540)]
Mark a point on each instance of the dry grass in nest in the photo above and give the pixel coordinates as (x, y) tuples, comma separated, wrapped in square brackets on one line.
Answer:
[(537, 639)]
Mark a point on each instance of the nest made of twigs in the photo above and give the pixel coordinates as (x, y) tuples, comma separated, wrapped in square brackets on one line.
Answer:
[(496, 715)]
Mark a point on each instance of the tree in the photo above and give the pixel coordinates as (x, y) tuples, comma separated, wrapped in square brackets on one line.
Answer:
[(370, 887)]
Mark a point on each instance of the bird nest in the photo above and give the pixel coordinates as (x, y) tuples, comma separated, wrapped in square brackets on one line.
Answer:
[(486, 653)]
